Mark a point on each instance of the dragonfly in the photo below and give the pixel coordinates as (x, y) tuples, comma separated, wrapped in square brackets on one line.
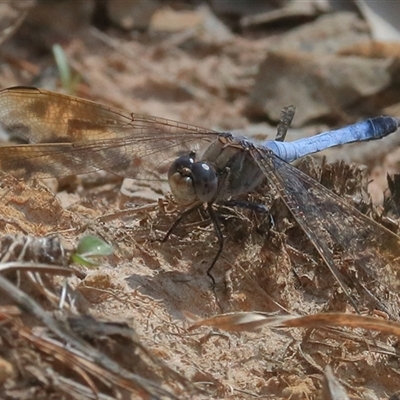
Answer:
[(67, 135)]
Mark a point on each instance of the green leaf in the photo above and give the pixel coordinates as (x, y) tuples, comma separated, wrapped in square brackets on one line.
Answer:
[(69, 80), (90, 247)]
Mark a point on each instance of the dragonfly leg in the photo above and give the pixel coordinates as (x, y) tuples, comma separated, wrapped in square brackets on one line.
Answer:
[(217, 228), (249, 205), (178, 221), (220, 238)]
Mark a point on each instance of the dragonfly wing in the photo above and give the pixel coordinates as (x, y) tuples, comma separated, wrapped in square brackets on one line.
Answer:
[(73, 136), (326, 218)]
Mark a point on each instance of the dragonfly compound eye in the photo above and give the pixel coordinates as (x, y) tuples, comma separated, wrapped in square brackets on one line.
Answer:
[(181, 181), (205, 181)]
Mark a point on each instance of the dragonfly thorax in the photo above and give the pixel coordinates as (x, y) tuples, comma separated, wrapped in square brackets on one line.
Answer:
[(192, 181)]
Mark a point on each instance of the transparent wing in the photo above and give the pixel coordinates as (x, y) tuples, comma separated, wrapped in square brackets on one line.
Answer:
[(327, 219), (75, 136)]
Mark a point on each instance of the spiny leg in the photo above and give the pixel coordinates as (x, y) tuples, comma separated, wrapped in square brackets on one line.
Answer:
[(217, 229), (220, 238), (249, 205), (178, 220)]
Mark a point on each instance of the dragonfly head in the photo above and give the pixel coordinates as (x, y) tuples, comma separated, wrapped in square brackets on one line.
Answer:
[(192, 181)]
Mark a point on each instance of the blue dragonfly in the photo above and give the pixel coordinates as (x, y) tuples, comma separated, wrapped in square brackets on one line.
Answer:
[(67, 135)]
